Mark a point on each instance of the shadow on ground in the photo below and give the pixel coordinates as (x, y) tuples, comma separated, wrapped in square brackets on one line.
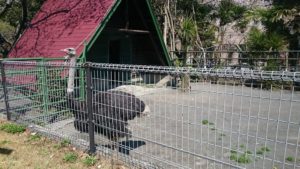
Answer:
[(126, 146), (6, 151)]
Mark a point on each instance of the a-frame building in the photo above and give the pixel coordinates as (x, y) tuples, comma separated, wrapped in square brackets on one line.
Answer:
[(115, 31)]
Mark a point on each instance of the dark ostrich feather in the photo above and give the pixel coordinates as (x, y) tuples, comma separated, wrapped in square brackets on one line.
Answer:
[(111, 112)]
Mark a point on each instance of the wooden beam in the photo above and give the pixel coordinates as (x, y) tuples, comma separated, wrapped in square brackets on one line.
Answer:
[(134, 31)]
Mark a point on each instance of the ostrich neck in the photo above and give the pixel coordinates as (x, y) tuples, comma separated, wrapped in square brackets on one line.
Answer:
[(71, 75)]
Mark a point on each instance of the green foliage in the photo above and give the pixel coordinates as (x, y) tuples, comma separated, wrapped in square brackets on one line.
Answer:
[(263, 150), (13, 17), (188, 32), (4, 142), (12, 128), (233, 157), (7, 31), (34, 137), (243, 158), (188, 35), (205, 122), (262, 41), (259, 152), (65, 143), (290, 159), (70, 157), (89, 161), (280, 23), (229, 11)]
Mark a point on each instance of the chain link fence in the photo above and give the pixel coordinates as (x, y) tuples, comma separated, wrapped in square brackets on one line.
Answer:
[(162, 117)]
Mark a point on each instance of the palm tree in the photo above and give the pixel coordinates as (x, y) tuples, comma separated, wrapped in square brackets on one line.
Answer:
[(188, 36)]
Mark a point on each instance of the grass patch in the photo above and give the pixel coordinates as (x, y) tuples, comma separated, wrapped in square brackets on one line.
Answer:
[(290, 159), (4, 142), (242, 146), (262, 150), (64, 143), (259, 152), (213, 129), (42, 154), (242, 159), (205, 122), (233, 157), (34, 137), (222, 135), (12, 128), (265, 149), (248, 152), (70, 157), (89, 161)]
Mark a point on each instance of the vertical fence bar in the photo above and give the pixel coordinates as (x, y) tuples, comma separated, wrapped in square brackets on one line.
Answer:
[(44, 85), (5, 91), (89, 100)]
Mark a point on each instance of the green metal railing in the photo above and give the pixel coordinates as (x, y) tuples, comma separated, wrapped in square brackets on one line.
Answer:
[(44, 86)]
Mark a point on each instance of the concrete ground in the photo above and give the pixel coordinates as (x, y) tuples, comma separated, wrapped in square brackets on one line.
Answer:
[(213, 122)]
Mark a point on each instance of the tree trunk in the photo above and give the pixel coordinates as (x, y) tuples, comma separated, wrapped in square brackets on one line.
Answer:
[(24, 20), (165, 23), (185, 79)]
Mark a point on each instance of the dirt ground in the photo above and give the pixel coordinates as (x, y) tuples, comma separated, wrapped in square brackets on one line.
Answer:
[(29, 151)]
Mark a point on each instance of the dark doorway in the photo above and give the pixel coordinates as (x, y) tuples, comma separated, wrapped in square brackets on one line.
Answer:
[(115, 58), (114, 51)]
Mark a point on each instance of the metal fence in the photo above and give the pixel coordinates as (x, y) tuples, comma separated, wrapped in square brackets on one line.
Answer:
[(162, 117), (236, 59)]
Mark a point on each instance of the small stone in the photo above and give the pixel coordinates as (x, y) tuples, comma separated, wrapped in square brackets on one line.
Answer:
[(99, 166)]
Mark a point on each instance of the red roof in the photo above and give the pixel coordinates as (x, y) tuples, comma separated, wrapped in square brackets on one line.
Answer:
[(61, 24)]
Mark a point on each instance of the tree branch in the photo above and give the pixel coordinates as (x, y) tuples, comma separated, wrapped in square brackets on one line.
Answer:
[(8, 5)]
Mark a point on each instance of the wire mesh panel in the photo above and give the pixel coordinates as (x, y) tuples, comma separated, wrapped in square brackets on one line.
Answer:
[(165, 117), (232, 58), (37, 96), (196, 118)]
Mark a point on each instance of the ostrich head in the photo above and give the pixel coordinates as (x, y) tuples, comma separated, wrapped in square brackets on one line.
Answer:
[(71, 52)]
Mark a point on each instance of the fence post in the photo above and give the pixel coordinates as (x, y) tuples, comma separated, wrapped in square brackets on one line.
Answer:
[(45, 86), (89, 95), (3, 76)]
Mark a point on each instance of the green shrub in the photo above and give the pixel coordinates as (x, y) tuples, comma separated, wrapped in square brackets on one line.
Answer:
[(65, 143), (34, 137), (12, 128), (244, 159), (89, 161), (290, 159), (205, 122), (70, 157)]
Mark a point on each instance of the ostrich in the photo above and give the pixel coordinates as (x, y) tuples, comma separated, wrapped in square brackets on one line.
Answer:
[(111, 109)]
